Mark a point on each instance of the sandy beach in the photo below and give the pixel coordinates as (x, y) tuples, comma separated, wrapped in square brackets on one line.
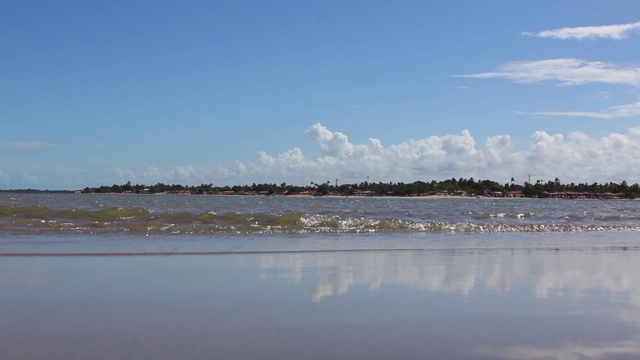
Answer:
[(522, 297), (240, 277)]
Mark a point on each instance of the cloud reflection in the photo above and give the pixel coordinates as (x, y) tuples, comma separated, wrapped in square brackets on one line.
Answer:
[(550, 273), (572, 274)]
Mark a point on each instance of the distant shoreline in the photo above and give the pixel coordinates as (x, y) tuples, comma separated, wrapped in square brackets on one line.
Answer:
[(450, 188), (36, 191), (417, 197)]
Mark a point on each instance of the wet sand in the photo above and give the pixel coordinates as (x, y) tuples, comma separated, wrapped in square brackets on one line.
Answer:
[(575, 300)]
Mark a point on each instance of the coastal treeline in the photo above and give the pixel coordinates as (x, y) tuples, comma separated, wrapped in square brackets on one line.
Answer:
[(36, 191), (460, 187)]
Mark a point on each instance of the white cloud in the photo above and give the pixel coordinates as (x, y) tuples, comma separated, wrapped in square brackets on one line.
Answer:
[(179, 174), (124, 175), (576, 157), (460, 87), (152, 172), (627, 110), (615, 32), (602, 95), (27, 144), (333, 143), (29, 177), (591, 114), (565, 71)]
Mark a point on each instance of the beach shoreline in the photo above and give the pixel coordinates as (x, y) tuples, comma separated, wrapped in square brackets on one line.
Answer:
[(456, 301), (423, 197)]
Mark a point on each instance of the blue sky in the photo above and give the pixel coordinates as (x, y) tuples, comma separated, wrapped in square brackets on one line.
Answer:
[(192, 92)]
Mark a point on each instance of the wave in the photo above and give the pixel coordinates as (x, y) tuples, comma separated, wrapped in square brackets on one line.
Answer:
[(115, 220)]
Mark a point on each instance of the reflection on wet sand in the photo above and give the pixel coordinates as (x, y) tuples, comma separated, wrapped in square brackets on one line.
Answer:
[(568, 272), (519, 303), (568, 275)]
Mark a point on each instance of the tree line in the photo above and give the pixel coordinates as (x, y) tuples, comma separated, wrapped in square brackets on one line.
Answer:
[(461, 186)]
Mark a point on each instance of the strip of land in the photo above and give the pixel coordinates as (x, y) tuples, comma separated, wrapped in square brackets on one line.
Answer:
[(446, 188)]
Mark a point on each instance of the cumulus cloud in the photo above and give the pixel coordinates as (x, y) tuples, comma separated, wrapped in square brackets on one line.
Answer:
[(124, 175), (575, 157), (27, 144), (334, 143), (179, 174), (564, 71), (615, 32)]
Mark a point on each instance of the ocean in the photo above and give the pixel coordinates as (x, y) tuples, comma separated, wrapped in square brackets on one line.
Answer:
[(272, 277), (93, 214)]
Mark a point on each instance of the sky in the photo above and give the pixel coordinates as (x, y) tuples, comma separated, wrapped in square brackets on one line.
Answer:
[(235, 92)]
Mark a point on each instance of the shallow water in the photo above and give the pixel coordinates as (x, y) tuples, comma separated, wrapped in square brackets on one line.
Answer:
[(210, 215), (515, 298), (197, 277)]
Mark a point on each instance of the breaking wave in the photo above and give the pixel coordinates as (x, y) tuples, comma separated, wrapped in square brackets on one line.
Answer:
[(36, 219)]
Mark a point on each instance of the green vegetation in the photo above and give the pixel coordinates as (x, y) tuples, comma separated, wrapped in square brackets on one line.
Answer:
[(36, 191), (460, 187)]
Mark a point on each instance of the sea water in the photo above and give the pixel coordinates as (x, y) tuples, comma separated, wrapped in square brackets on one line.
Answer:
[(201, 277), (26, 214)]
